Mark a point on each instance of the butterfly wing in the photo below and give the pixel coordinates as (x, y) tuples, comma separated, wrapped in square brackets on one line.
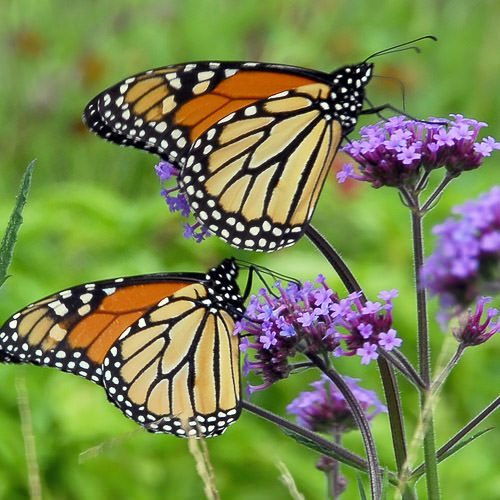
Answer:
[(72, 330), (81, 330), (176, 370), (165, 110), (254, 177)]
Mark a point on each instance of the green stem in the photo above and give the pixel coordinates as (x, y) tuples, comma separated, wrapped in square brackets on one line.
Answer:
[(433, 197), (395, 412), (336, 261), (447, 369), (461, 434), (397, 359), (337, 485), (429, 443)]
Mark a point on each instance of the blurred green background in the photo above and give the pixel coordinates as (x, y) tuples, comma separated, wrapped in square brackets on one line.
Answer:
[(94, 213)]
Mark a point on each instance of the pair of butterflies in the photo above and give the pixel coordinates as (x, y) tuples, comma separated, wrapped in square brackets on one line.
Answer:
[(253, 143)]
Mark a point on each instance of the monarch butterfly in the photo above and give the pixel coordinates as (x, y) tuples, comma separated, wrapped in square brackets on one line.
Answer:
[(161, 345), (253, 141)]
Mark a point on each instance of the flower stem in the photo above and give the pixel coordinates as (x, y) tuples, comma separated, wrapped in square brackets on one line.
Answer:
[(386, 370), (428, 204), (468, 428), (424, 358), (334, 258), (447, 369), (394, 408), (399, 361), (441, 454), (361, 421), (338, 486), (422, 182)]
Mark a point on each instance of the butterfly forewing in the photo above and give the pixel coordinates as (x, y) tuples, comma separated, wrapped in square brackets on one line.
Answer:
[(161, 345), (166, 109), (72, 330)]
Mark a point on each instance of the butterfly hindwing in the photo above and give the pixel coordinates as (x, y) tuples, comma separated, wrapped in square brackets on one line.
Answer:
[(176, 370), (254, 177)]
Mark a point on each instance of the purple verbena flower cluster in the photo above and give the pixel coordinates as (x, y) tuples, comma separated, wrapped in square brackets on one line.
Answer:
[(466, 261), (397, 151), (326, 410), (312, 319), (470, 331), (177, 202)]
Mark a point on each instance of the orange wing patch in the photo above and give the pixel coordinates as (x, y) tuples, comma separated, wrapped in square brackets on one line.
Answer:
[(232, 94), (115, 314)]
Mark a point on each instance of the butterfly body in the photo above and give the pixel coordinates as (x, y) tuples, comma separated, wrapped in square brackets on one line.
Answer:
[(161, 345), (253, 141)]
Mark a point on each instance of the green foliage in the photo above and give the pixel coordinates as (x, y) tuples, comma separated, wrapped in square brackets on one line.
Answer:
[(10, 237), (93, 213), (361, 488)]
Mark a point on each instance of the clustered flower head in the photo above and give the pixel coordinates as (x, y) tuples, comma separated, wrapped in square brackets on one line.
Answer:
[(470, 331), (466, 261), (177, 202), (396, 152), (311, 319), (326, 410)]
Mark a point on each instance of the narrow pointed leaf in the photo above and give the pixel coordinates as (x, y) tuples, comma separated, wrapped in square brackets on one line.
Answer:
[(14, 224)]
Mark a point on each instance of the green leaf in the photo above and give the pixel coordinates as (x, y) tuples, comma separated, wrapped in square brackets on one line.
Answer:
[(344, 457), (361, 488), (462, 443), (420, 470), (15, 221)]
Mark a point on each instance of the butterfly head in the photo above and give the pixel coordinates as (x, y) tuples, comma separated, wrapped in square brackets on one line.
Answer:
[(223, 288), (348, 93)]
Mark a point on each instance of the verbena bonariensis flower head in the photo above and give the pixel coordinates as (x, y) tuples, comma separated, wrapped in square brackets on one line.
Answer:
[(466, 261), (398, 151), (177, 202), (311, 319), (470, 331), (326, 410)]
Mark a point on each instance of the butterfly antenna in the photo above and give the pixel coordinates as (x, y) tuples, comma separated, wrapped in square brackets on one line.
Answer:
[(260, 271), (401, 47)]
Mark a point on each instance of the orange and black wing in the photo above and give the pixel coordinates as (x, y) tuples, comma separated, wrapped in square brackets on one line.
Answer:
[(253, 141), (113, 332), (166, 109), (255, 176)]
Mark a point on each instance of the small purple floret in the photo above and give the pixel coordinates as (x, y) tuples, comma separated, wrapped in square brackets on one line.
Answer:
[(325, 410), (177, 202), (281, 326)]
